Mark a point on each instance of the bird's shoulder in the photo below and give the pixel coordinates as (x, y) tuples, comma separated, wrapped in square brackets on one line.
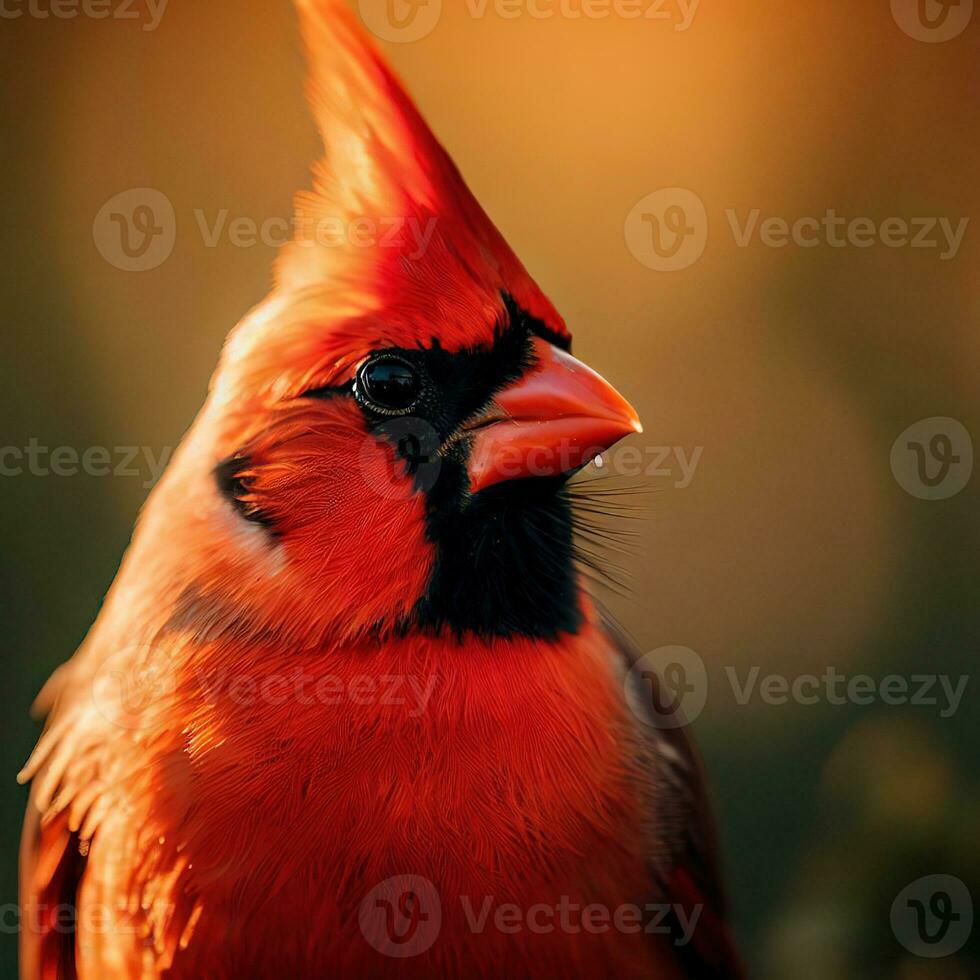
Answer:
[(683, 855)]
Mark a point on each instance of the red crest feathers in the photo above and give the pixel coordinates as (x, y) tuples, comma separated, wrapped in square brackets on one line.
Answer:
[(390, 224)]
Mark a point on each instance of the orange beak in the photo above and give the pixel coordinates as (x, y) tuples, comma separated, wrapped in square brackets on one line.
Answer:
[(554, 420)]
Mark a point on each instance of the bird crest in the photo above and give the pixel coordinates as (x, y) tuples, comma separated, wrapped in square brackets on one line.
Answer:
[(389, 241)]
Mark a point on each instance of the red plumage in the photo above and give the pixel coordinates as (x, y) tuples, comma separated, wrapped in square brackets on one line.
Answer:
[(269, 720)]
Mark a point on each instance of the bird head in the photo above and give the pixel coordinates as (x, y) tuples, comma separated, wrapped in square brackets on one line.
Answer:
[(388, 436)]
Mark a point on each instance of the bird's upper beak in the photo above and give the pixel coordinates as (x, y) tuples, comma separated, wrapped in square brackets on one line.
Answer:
[(559, 416)]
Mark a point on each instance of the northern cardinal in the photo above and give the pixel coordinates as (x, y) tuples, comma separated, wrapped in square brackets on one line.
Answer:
[(347, 710)]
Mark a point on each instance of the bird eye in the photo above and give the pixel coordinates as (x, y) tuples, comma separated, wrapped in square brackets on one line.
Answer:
[(389, 384)]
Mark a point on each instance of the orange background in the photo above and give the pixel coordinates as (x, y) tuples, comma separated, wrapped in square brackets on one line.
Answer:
[(793, 548)]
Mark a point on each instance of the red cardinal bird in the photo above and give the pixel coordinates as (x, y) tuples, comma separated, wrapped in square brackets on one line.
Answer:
[(347, 711)]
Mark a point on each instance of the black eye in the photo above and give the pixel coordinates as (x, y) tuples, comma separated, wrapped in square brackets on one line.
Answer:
[(389, 384)]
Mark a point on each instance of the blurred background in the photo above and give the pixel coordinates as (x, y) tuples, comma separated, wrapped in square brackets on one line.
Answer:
[(784, 534)]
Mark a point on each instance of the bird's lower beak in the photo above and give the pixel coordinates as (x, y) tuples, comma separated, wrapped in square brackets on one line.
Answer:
[(559, 416)]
